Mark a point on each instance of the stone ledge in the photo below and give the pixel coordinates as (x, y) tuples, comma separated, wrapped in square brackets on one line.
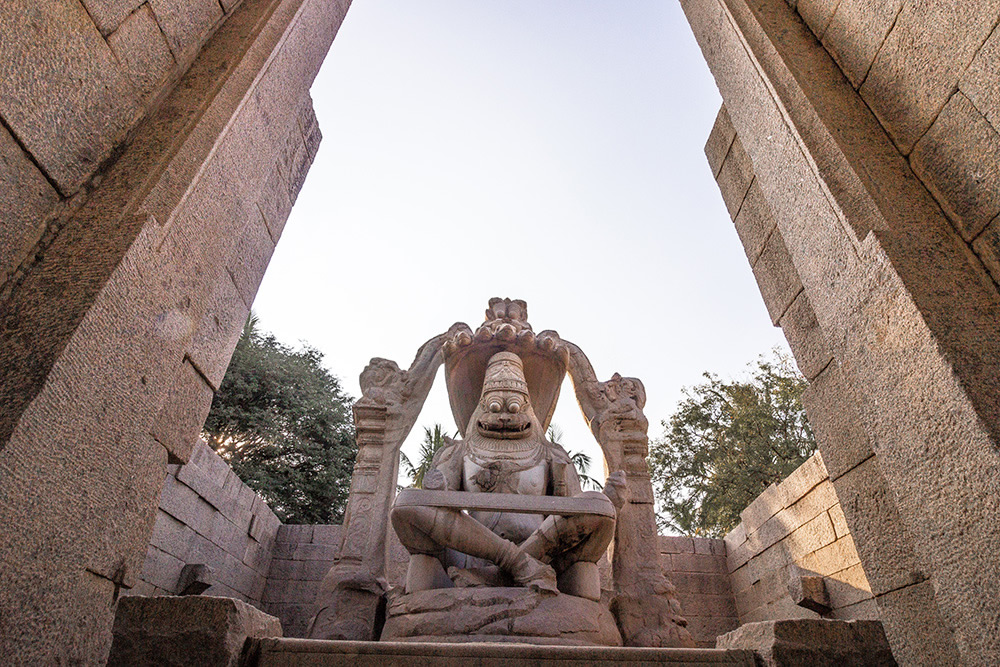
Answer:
[(289, 652), (191, 630), (812, 642)]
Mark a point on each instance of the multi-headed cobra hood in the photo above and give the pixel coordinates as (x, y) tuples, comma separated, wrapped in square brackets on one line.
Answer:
[(468, 356)]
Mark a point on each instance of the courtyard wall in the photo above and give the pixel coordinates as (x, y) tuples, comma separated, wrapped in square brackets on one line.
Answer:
[(208, 516)]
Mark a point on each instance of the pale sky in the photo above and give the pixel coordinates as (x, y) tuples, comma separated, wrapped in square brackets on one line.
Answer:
[(545, 150)]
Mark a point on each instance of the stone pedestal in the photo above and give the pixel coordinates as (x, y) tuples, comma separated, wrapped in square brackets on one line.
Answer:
[(186, 630), (812, 643), (517, 615)]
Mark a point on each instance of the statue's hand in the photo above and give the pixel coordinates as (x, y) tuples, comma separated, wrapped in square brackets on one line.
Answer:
[(615, 489), (434, 480)]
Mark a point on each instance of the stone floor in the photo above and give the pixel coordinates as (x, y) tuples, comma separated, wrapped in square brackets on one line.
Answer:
[(315, 653)]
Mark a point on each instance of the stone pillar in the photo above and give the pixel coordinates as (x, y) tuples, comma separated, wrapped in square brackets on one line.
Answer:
[(353, 590), (119, 328), (356, 582), (905, 347), (645, 603)]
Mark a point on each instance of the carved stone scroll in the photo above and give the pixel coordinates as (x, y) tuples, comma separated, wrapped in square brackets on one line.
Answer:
[(645, 601)]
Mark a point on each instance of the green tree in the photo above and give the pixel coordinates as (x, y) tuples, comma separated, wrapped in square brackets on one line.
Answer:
[(581, 461), (726, 443), (433, 441), (284, 424)]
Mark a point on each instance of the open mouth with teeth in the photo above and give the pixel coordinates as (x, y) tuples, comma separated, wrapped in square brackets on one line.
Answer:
[(510, 428)]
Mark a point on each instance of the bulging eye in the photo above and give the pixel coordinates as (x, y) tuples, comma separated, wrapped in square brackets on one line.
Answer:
[(514, 407), (496, 406)]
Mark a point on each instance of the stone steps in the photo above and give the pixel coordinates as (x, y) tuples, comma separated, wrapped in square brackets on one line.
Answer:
[(317, 653)]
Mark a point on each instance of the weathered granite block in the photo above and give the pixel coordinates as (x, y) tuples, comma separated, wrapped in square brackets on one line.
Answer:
[(832, 558), (959, 161), (171, 535), (734, 177), (710, 546), (70, 103), (829, 403), (805, 337), (856, 31), (189, 630), (987, 246), (813, 643), (980, 83), (676, 544), (142, 49), (915, 612), (25, 199), (817, 14), (754, 223), (109, 14), (162, 570), (918, 67), (697, 563), (869, 506), (762, 508), (186, 23), (808, 590), (250, 257), (776, 276), (195, 578), (274, 203), (719, 141), (183, 413), (219, 331)]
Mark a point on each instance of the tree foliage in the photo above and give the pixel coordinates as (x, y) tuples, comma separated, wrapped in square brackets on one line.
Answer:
[(581, 461), (433, 441), (284, 424), (726, 443)]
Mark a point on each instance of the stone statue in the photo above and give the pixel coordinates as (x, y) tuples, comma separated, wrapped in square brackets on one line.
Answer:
[(505, 452), (503, 544)]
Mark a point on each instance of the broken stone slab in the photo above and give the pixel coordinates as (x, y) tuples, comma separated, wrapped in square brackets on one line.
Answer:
[(812, 643), (195, 579), (808, 589), (189, 630)]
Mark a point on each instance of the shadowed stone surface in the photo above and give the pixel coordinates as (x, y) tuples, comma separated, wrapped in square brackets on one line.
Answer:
[(499, 615), (812, 643), (312, 652), (183, 631)]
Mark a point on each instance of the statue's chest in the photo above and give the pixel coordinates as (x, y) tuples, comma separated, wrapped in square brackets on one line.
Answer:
[(504, 477)]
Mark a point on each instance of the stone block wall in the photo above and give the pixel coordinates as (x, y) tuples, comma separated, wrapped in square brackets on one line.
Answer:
[(93, 70), (302, 556), (697, 567), (928, 71), (129, 290), (797, 523), (853, 323), (208, 516)]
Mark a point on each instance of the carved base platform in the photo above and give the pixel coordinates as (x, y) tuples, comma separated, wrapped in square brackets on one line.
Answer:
[(460, 615)]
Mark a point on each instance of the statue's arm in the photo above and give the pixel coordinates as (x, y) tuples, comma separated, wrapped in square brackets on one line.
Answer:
[(446, 468), (565, 480), (585, 383)]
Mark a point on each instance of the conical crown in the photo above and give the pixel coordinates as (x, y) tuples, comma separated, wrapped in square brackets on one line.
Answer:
[(505, 372)]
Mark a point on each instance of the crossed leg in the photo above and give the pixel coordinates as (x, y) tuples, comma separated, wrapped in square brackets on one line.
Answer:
[(429, 530)]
